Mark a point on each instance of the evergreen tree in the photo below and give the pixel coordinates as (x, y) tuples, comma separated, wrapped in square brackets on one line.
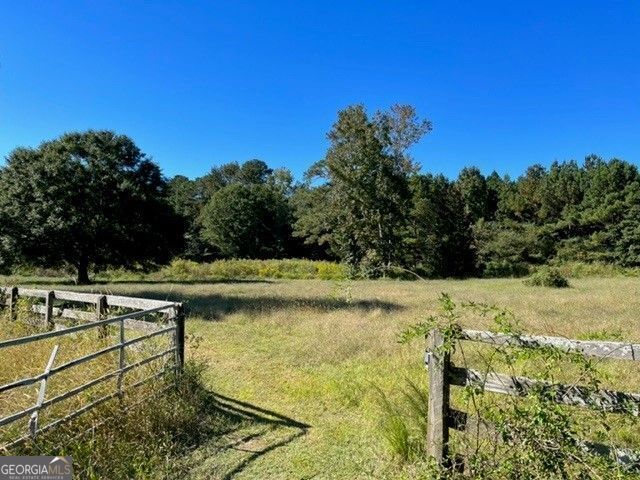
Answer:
[(440, 237), (473, 187)]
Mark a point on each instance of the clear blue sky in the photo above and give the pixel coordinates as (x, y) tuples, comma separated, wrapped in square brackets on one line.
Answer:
[(196, 84)]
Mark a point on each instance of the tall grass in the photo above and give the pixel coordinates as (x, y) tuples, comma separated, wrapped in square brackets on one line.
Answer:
[(142, 434), (180, 270), (310, 350), (403, 421), (147, 441), (594, 269), (187, 270), (27, 360)]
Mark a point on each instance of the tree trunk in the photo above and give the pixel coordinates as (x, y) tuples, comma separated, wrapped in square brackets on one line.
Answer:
[(83, 271)]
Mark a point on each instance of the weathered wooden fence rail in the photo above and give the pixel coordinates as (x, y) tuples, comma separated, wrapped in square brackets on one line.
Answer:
[(443, 374), (93, 314)]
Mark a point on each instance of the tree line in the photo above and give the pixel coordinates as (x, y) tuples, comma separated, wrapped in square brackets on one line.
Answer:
[(93, 200)]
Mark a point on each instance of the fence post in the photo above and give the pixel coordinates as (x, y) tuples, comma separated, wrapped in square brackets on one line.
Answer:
[(438, 409), (179, 336), (101, 310), (13, 303), (48, 314)]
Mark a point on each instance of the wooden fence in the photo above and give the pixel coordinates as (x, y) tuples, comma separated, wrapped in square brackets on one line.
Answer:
[(442, 375), (63, 314)]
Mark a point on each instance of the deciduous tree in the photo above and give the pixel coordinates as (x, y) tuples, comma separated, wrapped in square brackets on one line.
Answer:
[(90, 200), (247, 221)]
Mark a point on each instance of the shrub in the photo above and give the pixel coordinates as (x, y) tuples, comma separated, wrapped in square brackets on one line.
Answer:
[(547, 277), (182, 270), (505, 268)]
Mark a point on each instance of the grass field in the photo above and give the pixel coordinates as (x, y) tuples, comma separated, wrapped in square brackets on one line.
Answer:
[(298, 364)]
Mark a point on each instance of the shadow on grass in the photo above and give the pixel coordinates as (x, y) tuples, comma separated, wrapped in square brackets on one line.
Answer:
[(215, 306), (203, 434), (251, 433)]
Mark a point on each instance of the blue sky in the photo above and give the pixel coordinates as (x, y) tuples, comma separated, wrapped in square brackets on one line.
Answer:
[(197, 84)]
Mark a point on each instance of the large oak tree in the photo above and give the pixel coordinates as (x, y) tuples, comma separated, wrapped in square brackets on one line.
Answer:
[(89, 200)]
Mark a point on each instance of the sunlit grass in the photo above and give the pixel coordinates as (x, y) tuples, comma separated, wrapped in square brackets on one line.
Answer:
[(319, 352)]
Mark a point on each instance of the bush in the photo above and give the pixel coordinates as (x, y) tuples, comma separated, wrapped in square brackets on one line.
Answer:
[(181, 270), (547, 277)]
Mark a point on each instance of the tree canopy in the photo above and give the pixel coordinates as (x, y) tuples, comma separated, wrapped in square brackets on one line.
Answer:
[(366, 191), (88, 200), (93, 200), (247, 221)]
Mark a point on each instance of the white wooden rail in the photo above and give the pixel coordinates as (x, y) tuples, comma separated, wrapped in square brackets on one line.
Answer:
[(91, 314), (33, 422), (443, 375)]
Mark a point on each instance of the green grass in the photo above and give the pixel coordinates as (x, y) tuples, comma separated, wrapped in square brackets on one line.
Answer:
[(303, 363)]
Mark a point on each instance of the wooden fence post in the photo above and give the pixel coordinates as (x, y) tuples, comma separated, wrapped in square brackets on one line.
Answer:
[(101, 311), (13, 303), (48, 314), (179, 337), (438, 409)]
